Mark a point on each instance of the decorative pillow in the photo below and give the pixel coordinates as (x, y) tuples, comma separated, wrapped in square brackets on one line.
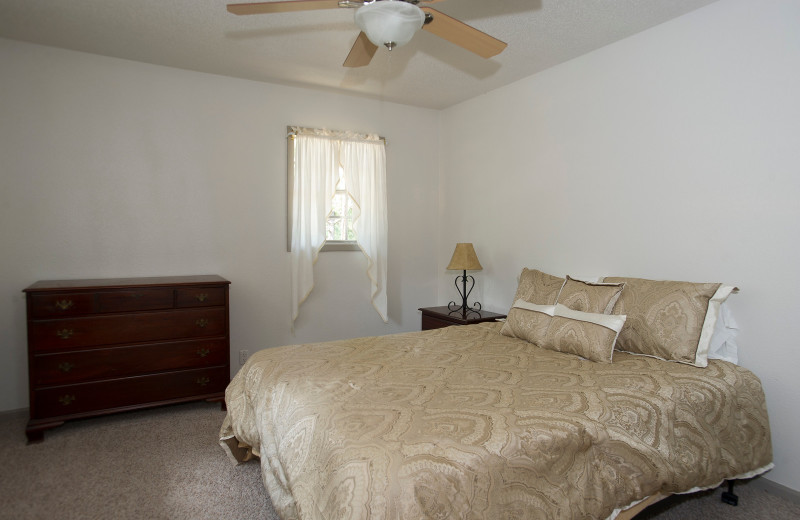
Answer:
[(595, 297), (528, 321), (538, 287), (588, 335), (669, 320)]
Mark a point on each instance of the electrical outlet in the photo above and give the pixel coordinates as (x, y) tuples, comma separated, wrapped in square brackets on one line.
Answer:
[(243, 355)]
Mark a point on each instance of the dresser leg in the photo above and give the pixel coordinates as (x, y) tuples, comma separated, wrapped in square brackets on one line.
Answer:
[(35, 437), (221, 400), (35, 431)]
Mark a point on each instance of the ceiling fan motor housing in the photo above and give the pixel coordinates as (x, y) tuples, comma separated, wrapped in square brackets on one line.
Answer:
[(390, 22)]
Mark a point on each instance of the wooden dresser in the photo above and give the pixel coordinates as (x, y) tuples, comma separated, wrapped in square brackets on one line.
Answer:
[(102, 346)]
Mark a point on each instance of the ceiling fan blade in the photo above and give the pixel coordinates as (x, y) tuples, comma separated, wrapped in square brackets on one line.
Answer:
[(362, 52), (462, 34), (283, 6)]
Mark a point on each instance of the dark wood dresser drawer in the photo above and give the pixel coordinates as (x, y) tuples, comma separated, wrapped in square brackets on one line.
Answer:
[(59, 305), (144, 299), (112, 362), (103, 346), (126, 328), (200, 297), (117, 393)]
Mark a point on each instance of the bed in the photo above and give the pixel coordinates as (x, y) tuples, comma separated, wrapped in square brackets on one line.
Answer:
[(474, 422)]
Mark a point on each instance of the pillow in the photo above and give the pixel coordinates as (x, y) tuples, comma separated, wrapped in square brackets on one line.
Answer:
[(723, 341), (528, 321), (669, 320), (596, 297), (538, 287), (588, 335)]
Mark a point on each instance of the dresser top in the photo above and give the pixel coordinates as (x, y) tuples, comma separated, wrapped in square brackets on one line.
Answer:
[(49, 285)]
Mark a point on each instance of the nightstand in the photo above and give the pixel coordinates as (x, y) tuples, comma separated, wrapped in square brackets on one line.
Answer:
[(437, 317)]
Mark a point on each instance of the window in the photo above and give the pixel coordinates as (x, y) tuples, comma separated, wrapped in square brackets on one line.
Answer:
[(336, 198), (340, 234)]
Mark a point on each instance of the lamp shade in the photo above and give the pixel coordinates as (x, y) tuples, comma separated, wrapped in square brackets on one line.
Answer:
[(464, 258), (389, 22)]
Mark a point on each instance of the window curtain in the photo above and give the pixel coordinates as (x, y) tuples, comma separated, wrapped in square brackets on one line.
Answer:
[(319, 156)]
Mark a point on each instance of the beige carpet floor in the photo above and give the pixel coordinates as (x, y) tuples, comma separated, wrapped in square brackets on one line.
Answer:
[(165, 463)]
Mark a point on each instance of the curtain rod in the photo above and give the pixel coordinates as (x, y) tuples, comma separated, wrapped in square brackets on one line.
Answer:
[(290, 133)]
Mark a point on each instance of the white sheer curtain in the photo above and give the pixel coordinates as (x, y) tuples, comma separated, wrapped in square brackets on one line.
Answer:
[(318, 156), (364, 165)]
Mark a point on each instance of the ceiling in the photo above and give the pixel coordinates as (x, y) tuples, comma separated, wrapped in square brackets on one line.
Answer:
[(307, 48)]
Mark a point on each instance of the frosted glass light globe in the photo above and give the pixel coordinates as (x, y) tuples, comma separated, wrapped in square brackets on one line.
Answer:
[(390, 22)]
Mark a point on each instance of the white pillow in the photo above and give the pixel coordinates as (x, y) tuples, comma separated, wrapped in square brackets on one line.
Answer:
[(723, 340)]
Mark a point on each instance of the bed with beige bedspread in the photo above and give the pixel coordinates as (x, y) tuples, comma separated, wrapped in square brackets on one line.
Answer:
[(467, 423)]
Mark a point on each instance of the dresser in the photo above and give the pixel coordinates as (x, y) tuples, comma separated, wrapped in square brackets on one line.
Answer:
[(437, 317), (109, 345)]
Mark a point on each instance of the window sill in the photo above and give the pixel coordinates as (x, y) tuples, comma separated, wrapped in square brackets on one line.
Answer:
[(340, 245)]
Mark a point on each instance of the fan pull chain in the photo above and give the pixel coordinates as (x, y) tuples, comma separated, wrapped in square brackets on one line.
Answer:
[(387, 71)]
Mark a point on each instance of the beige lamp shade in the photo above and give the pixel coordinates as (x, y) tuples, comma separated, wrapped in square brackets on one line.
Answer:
[(464, 258)]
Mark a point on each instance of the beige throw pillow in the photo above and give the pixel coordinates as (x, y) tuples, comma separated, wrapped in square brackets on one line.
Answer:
[(528, 321), (667, 319), (588, 335), (538, 287), (595, 297)]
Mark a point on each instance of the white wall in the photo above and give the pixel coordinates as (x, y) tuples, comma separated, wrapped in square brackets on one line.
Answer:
[(116, 168), (673, 154)]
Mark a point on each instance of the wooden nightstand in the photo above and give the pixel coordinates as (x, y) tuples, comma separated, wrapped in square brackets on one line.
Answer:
[(437, 317)]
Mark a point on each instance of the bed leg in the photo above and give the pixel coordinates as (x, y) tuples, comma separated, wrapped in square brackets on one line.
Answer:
[(729, 497)]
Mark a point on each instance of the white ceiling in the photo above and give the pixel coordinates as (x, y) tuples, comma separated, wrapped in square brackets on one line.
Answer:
[(307, 48)]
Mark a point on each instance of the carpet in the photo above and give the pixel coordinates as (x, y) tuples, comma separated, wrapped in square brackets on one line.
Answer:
[(165, 463)]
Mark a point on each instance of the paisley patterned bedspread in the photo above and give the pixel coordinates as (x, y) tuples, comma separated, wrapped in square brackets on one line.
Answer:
[(464, 423)]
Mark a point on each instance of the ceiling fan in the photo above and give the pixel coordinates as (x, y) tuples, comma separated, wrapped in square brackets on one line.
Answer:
[(387, 22)]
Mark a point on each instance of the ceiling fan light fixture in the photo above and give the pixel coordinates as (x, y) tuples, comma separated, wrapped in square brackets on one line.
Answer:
[(389, 22)]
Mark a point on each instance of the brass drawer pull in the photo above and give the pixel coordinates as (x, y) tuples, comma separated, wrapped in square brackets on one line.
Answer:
[(203, 381), (201, 297), (66, 400), (64, 333), (203, 352), (202, 322), (65, 366), (64, 304)]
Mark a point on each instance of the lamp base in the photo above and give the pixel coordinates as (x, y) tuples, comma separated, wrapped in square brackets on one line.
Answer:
[(464, 309)]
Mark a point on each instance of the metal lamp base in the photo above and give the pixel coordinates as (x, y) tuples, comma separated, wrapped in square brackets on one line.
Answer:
[(464, 308)]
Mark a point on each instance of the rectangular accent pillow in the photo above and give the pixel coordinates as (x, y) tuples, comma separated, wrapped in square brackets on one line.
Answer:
[(589, 335), (669, 320), (596, 297), (538, 287), (528, 321)]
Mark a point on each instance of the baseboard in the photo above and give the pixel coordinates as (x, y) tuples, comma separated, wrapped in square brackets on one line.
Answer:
[(19, 412), (779, 490)]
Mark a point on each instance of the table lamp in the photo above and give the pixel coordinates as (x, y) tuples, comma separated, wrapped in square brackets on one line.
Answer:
[(464, 259)]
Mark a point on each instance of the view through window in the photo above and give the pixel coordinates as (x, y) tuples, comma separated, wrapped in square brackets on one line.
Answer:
[(339, 227)]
